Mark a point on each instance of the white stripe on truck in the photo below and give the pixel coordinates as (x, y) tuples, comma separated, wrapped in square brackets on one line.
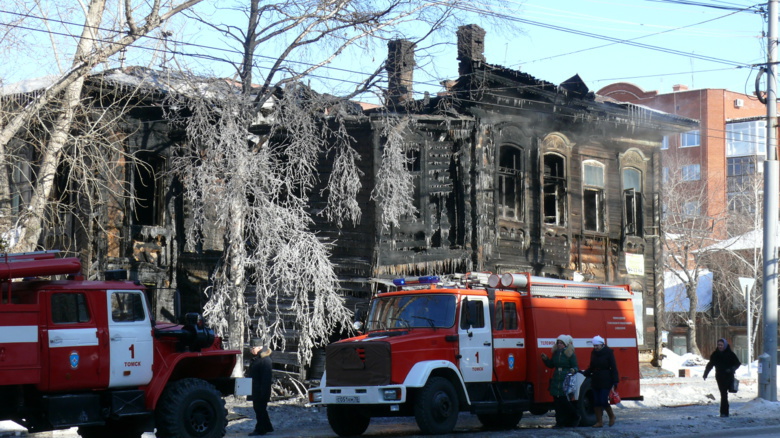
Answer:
[(17, 334)]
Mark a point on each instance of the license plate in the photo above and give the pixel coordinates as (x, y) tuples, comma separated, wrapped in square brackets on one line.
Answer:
[(347, 399)]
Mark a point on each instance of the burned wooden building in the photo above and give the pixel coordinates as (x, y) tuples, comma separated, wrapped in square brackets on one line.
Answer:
[(514, 174), (510, 174)]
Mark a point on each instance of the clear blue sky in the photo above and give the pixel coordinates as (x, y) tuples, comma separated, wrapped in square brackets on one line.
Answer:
[(699, 43)]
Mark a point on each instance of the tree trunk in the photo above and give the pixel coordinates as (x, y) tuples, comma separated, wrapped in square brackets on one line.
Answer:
[(33, 223), (236, 277), (690, 289)]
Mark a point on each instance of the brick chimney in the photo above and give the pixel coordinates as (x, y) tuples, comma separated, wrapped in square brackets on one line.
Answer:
[(471, 47), (400, 71), (679, 87)]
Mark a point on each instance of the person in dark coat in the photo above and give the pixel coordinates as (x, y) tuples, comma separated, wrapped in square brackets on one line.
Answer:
[(563, 362), (261, 373), (726, 363), (604, 376)]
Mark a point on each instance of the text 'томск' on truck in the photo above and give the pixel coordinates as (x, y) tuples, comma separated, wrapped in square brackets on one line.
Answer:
[(87, 354), (472, 344)]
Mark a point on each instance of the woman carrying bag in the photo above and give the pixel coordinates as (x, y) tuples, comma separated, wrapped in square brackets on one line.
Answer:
[(563, 362), (604, 377), (726, 363)]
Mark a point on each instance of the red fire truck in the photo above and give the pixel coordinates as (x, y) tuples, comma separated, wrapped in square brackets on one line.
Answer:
[(438, 347), (89, 354)]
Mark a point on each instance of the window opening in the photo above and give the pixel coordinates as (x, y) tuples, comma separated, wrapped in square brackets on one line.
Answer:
[(148, 189), (511, 177), (691, 172), (632, 196), (471, 314), (690, 139), (554, 183), (69, 309), (510, 316), (500, 315), (593, 196), (127, 307)]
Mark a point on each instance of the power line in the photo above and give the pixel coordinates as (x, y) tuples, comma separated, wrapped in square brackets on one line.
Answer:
[(637, 38), (605, 37), (471, 9)]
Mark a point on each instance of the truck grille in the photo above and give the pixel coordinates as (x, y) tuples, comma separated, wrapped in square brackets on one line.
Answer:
[(358, 364)]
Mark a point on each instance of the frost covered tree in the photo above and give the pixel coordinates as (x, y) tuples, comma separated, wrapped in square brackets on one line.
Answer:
[(255, 183), (55, 107), (693, 220)]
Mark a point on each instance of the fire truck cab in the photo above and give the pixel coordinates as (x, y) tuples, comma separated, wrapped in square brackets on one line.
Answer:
[(89, 354), (472, 343)]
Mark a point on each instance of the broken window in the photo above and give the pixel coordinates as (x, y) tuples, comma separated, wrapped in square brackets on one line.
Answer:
[(148, 189), (593, 209), (554, 191), (511, 177), (632, 194)]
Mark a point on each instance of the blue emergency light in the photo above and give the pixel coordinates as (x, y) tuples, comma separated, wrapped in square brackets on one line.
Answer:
[(427, 279)]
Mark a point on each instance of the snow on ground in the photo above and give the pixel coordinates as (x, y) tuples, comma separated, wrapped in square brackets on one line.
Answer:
[(671, 406)]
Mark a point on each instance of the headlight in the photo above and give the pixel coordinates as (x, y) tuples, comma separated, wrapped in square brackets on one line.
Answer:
[(392, 394), (315, 396)]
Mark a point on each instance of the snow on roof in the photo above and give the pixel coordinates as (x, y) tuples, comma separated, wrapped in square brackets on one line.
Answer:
[(750, 240), (675, 298), (28, 85)]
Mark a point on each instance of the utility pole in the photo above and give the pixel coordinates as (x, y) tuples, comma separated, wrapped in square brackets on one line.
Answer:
[(747, 283), (767, 388)]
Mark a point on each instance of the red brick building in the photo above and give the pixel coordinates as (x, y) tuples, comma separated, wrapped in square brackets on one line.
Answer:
[(721, 159)]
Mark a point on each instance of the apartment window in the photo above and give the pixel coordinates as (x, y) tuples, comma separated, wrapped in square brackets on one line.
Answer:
[(689, 139), (511, 177), (632, 202), (665, 174), (691, 208), (554, 196), (593, 196), (691, 172), (665, 143), (740, 173), (746, 138)]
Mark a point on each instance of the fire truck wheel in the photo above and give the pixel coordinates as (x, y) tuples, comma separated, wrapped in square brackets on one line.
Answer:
[(191, 408), (585, 405), (500, 421), (436, 407), (347, 420)]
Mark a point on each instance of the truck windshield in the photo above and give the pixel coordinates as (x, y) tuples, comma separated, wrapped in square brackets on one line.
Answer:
[(409, 311)]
